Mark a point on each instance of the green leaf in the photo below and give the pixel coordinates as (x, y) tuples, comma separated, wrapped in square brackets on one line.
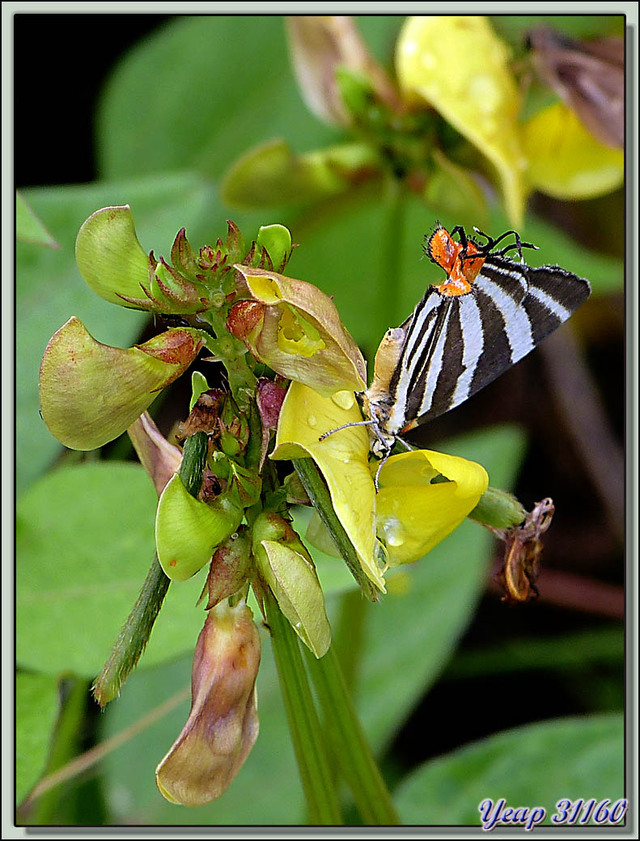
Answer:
[(535, 765), (84, 540), (565, 653), (36, 713), (199, 93), (29, 228)]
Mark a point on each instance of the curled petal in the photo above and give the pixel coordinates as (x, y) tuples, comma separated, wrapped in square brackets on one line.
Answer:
[(223, 723), (423, 497), (109, 256), (342, 458), (298, 333), (460, 67), (90, 393), (320, 45)]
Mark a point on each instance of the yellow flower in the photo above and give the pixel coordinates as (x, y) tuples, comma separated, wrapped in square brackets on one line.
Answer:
[(423, 495), (459, 66)]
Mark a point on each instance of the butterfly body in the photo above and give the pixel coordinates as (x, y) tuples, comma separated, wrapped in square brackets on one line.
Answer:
[(488, 314)]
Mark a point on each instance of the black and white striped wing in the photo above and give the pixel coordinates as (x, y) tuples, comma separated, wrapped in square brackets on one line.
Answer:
[(455, 345)]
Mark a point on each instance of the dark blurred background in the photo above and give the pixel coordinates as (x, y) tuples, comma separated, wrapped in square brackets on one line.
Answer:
[(61, 63)]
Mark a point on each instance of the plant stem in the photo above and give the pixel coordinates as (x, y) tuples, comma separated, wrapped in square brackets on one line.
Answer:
[(351, 748), (306, 733), (136, 630)]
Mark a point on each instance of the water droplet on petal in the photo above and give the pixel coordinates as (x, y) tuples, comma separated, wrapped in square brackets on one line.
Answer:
[(344, 399), (312, 420), (394, 532)]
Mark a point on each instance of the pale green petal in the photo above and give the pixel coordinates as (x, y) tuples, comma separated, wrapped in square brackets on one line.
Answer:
[(414, 514), (459, 66), (294, 583), (189, 531), (90, 392), (565, 160), (109, 256), (342, 458)]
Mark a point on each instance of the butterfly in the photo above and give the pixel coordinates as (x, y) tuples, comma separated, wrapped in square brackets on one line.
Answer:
[(489, 313)]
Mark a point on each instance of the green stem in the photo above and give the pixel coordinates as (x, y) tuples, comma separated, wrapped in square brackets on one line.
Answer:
[(319, 495), (352, 751), (232, 353), (498, 509), (348, 637), (136, 630), (306, 733)]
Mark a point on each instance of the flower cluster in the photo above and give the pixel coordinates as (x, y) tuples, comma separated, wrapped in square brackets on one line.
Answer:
[(294, 371), (288, 429)]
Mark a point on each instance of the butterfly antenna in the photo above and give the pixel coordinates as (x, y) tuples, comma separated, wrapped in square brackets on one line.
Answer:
[(345, 426)]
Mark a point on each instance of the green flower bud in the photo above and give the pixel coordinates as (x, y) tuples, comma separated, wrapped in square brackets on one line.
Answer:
[(287, 568)]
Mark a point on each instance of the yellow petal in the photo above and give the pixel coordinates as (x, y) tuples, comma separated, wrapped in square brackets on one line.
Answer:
[(342, 458), (565, 160), (413, 513), (460, 67)]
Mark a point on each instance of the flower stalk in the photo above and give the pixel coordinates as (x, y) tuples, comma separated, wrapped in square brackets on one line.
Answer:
[(137, 628), (306, 732), (349, 744)]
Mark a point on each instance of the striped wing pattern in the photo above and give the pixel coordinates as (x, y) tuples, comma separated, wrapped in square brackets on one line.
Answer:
[(455, 345)]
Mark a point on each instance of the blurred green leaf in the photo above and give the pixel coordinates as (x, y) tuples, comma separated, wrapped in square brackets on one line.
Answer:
[(84, 542), (29, 228), (535, 765), (564, 652), (513, 28), (200, 92), (37, 706)]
